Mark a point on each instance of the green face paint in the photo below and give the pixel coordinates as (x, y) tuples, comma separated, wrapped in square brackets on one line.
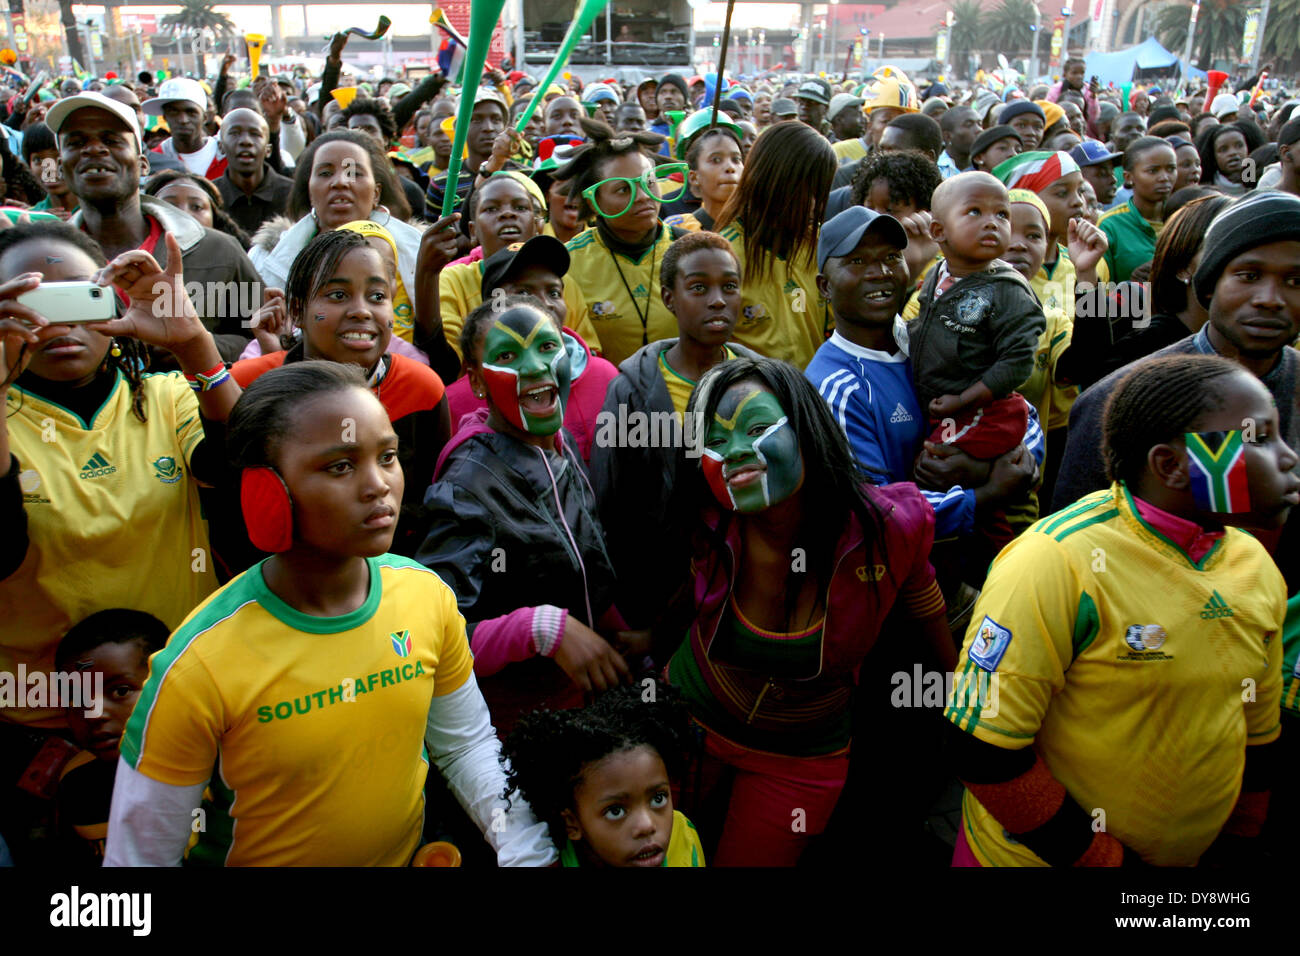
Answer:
[(526, 370), (751, 456)]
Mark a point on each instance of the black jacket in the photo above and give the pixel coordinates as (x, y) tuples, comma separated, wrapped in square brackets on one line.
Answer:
[(644, 532), (495, 536)]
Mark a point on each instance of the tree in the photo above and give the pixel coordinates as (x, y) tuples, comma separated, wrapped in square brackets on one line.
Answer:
[(1218, 30), (1007, 28), (72, 31), (195, 17), (967, 34), (1282, 33)]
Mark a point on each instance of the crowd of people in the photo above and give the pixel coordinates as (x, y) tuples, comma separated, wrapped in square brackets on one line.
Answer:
[(744, 472)]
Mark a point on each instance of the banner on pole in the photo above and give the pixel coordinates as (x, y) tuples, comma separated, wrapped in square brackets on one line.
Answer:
[(1250, 34), (941, 46)]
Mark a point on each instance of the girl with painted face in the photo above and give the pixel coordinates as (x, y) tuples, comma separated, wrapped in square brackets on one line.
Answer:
[(340, 295), (774, 647), (513, 526), (1092, 666)]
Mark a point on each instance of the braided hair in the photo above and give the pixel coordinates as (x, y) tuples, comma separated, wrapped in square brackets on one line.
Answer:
[(1158, 402), (547, 752), (133, 357), (583, 169)]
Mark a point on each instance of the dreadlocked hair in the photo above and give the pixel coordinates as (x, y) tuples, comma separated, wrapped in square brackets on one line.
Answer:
[(911, 176), (548, 751), (584, 168), (379, 109), (781, 199), (314, 266), (1158, 402), (134, 358), (833, 484)]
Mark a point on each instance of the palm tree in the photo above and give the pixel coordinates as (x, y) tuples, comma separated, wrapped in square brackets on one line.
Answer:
[(72, 31), (195, 17), (1007, 28), (967, 32), (1282, 33), (1218, 30)]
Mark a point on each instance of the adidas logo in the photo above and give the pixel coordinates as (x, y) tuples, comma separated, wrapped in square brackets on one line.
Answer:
[(641, 292), (97, 467), (1216, 607), (900, 415)]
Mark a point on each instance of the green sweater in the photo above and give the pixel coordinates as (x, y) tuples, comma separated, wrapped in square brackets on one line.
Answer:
[(1132, 240)]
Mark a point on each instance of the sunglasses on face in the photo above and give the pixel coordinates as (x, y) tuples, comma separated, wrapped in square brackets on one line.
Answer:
[(655, 183)]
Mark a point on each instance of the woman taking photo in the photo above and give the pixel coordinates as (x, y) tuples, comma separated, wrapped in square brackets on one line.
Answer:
[(99, 505), (772, 222), (613, 278), (774, 646)]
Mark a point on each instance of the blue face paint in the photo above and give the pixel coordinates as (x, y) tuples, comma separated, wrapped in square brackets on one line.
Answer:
[(320, 317)]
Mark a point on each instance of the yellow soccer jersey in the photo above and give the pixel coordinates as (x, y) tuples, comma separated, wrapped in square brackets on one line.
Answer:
[(783, 316), (1139, 676), (849, 149), (460, 292), (679, 386), (611, 293), (113, 518), (1056, 295), (310, 729)]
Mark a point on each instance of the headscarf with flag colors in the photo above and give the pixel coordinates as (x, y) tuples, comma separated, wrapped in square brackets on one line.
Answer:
[(1035, 171)]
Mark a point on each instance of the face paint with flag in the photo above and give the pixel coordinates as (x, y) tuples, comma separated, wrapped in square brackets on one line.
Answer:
[(1216, 466)]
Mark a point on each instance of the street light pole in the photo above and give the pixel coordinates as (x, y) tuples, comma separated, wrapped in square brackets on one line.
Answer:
[(1191, 32), (833, 12), (1033, 57)]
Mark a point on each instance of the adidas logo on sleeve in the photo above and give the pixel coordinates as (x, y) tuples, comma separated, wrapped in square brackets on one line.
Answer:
[(97, 467), (900, 415)]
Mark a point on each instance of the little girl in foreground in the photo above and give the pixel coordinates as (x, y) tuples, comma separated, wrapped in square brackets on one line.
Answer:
[(600, 778)]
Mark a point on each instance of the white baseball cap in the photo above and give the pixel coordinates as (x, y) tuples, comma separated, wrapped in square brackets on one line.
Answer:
[(60, 111), (1224, 103), (178, 89)]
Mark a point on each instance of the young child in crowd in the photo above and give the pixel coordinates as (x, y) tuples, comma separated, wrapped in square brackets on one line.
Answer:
[(114, 647), (602, 777), (973, 340)]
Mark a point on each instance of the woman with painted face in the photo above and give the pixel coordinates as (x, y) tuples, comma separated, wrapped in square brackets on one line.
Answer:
[(340, 295), (1091, 669), (100, 500), (774, 647), (512, 524)]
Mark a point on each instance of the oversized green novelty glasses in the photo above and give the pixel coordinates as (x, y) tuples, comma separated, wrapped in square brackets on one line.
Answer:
[(650, 183)]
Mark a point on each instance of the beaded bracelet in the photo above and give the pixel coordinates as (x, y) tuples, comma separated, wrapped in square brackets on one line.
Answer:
[(206, 381)]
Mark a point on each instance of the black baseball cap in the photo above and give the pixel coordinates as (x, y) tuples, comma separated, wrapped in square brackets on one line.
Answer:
[(504, 264)]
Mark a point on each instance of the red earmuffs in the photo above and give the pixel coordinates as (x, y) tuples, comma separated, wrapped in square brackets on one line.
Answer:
[(268, 509)]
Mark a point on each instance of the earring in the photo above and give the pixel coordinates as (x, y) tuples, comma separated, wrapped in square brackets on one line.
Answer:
[(388, 216), (115, 350)]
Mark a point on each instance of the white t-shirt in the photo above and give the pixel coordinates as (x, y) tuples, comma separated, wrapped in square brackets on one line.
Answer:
[(200, 161)]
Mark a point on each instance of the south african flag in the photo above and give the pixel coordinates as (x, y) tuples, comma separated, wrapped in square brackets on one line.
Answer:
[(1216, 463), (401, 643)]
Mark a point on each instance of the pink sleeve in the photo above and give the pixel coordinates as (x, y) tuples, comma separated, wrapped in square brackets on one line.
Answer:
[(517, 636)]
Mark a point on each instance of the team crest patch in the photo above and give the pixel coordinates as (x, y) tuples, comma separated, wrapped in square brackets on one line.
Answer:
[(1145, 637), (401, 643), (166, 470), (972, 309), (991, 642), (602, 308), (755, 311)]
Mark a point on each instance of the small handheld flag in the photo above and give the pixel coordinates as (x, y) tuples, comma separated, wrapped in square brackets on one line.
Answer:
[(1216, 465)]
